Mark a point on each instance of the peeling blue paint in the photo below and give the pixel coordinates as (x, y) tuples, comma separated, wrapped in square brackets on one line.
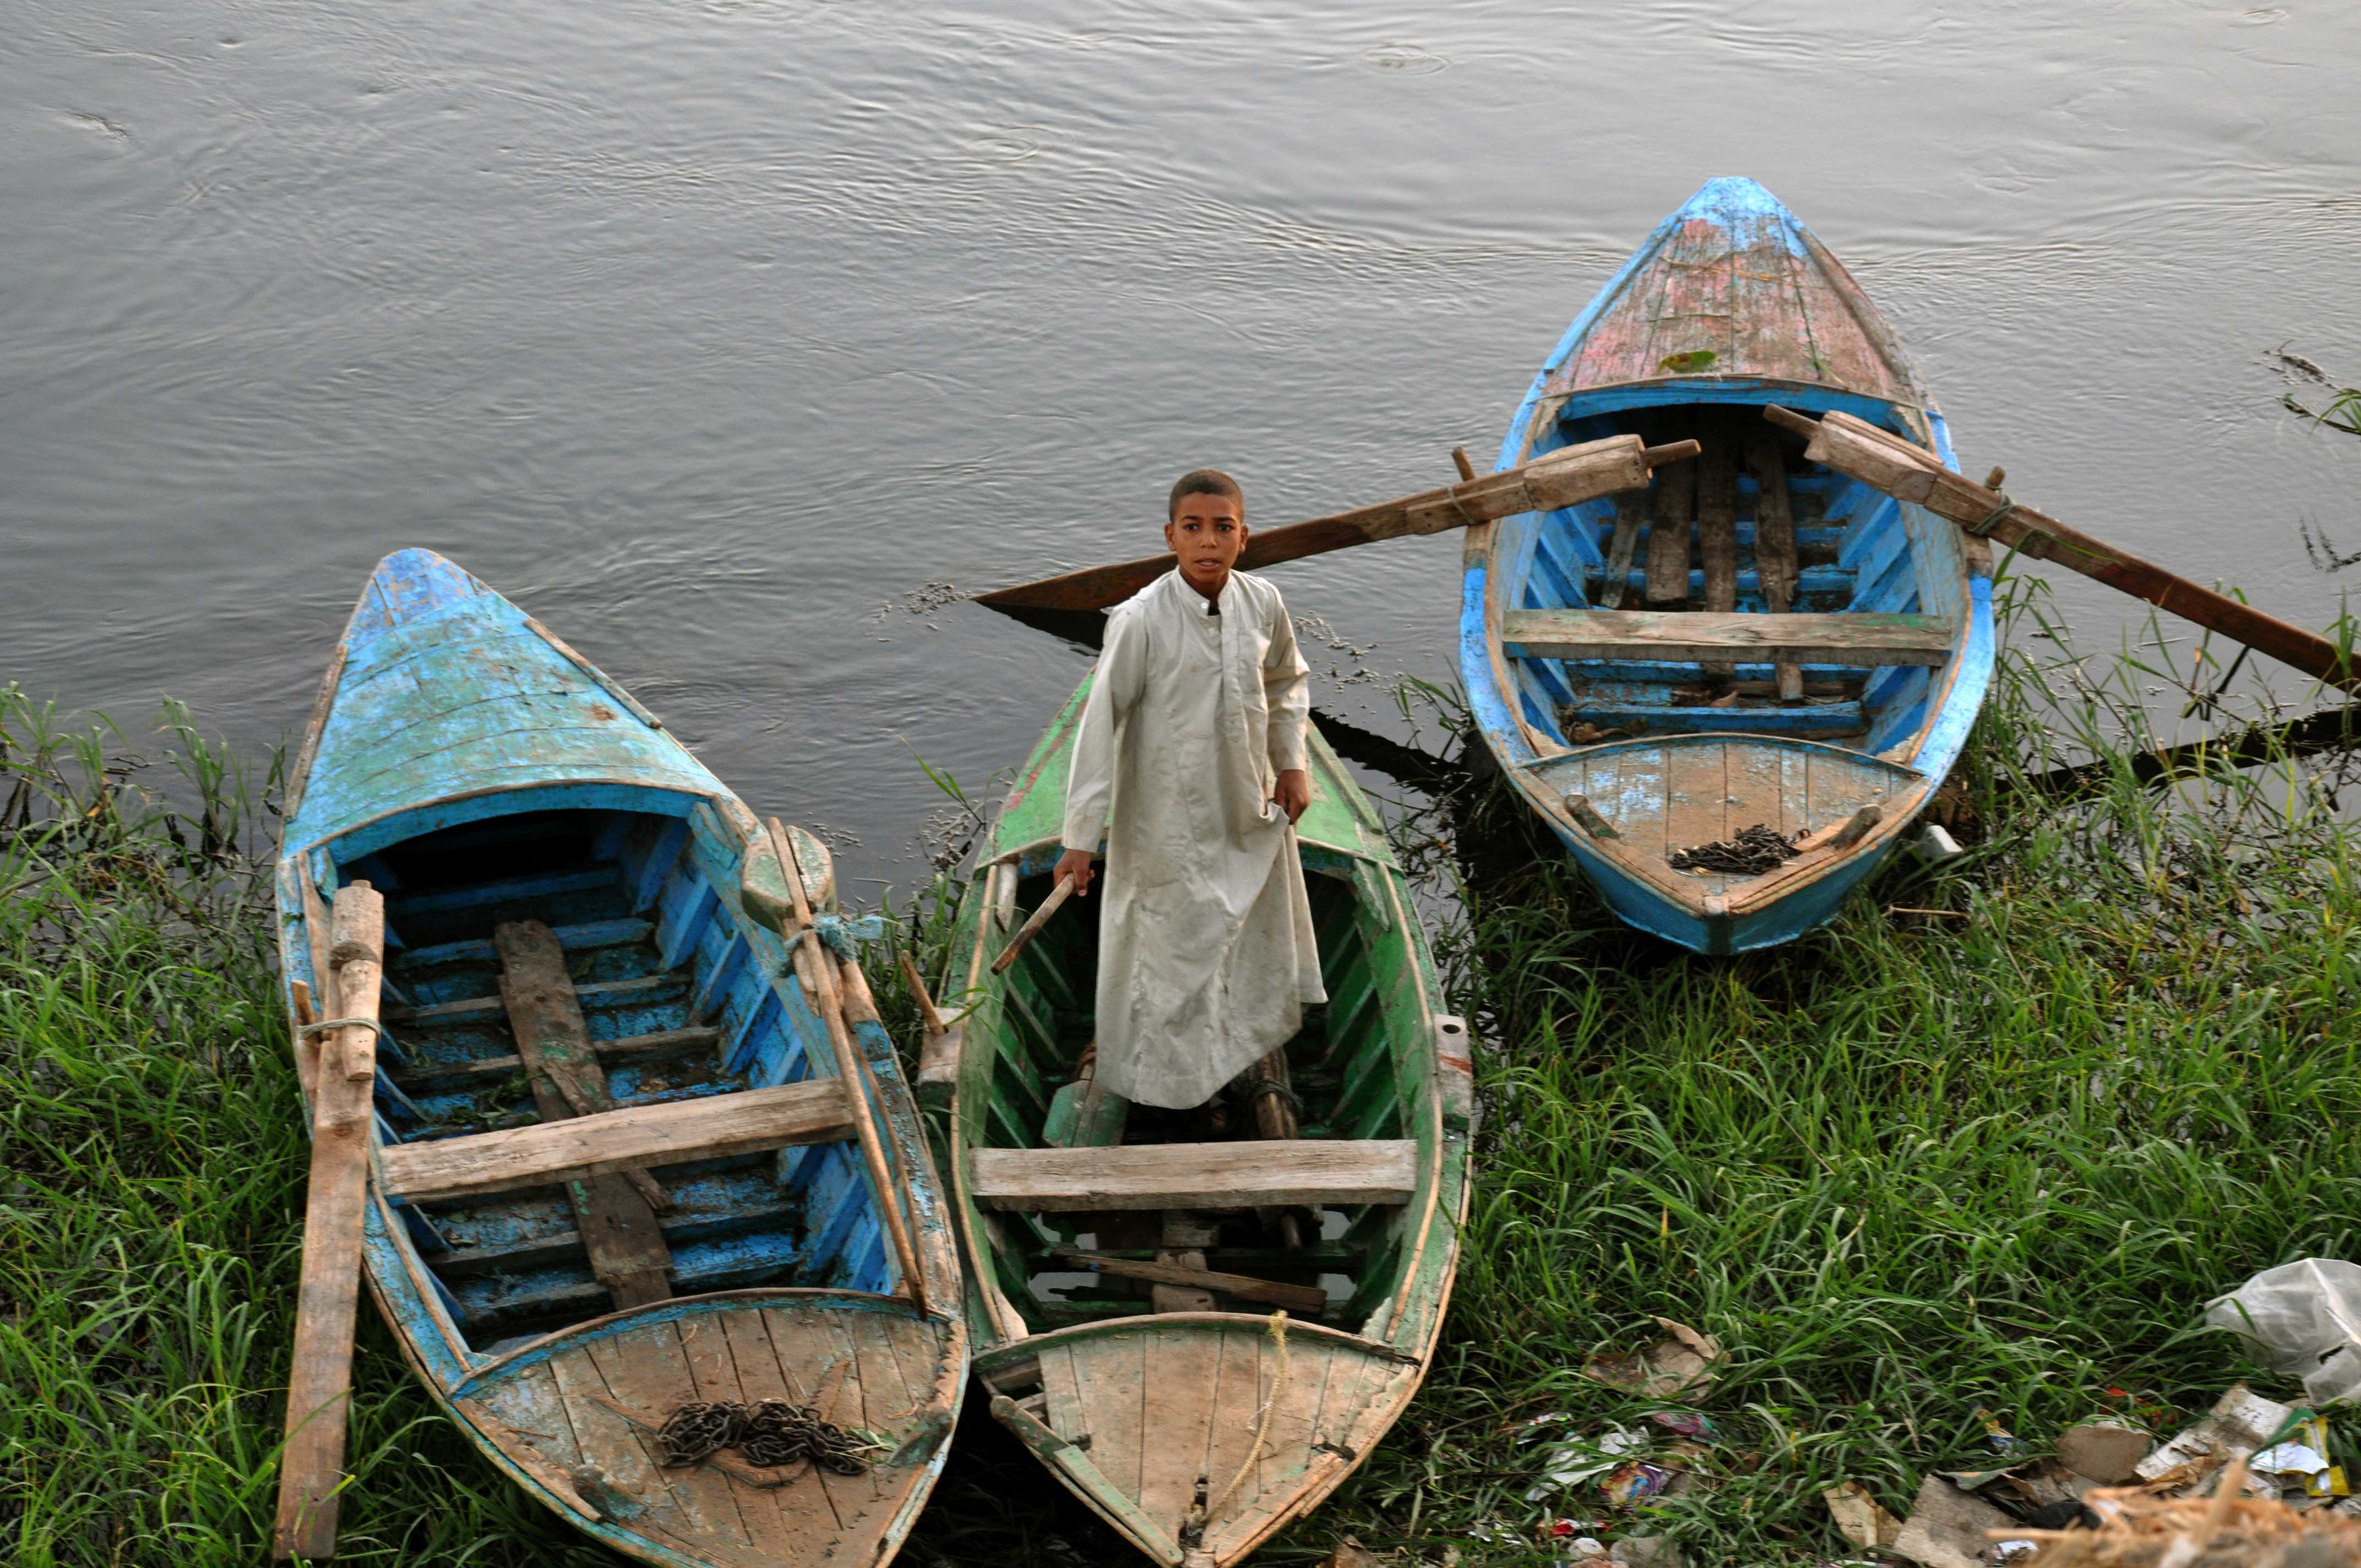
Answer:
[(1889, 558)]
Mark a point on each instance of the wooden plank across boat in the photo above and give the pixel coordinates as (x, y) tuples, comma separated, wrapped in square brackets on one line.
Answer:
[(1120, 1291), (615, 1160), (1755, 638)]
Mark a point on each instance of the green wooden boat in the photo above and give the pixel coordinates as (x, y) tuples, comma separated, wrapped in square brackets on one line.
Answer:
[(1121, 1293)]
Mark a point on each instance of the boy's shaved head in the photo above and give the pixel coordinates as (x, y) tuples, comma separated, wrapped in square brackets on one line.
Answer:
[(1204, 482)]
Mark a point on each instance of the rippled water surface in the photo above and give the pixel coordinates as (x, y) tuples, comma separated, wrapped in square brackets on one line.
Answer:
[(711, 332)]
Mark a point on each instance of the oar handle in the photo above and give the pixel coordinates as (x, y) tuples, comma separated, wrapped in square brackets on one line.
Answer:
[(1032, 928)]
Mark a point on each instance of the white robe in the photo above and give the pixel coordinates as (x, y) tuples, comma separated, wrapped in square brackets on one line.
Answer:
[(1207, 955)]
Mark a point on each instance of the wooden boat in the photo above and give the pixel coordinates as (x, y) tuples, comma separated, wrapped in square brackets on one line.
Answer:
[(616, 1169), (1755, 638), (1143, 1373)]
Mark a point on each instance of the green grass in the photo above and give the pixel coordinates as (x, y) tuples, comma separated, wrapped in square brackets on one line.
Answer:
[(1913, 1165)]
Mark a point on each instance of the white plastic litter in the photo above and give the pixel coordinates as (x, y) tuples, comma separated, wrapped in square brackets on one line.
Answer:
[(2290, 1459), (1576, 1460), (2303, 1317), (1935, 846)]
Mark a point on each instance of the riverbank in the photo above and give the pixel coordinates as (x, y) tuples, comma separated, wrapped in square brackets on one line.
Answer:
[(1987, 1142)]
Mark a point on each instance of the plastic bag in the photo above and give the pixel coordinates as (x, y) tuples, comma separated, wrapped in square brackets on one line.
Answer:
[(2302, 1317)]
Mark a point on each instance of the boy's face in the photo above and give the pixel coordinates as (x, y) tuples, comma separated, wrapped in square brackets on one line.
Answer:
[(1207, 533)]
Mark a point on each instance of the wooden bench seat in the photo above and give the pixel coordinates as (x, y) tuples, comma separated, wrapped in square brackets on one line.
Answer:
[(1686, 637), (715, 1127), (1253, 1174)]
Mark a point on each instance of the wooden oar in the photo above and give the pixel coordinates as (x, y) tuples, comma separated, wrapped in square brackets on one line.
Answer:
[(1886, 462), (343, 1083), (817, 974), (1554, 479), (1032, 928)]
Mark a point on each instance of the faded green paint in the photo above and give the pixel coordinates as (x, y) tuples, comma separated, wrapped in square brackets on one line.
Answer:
[(1382, 1013)]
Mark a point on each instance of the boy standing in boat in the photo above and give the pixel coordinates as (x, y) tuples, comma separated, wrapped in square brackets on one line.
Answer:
[(1189, 764)]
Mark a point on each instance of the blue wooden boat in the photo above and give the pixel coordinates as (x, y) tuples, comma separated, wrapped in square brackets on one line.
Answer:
[(1755, 638), (541, 841)]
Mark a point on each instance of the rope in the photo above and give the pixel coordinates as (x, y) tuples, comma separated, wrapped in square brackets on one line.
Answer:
[(1460, 506), (325, 1025), (1758, 849), (768, 1432), (1262, 1427), (1999, 514)]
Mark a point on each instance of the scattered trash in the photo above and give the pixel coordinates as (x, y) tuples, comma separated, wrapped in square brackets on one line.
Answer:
[(1758, 849), (2139, 1530), (2240, 1422), (1680, 1364), (2302, 1317), (1995, 1434), (1646, 1552), (1951, 1529), (2042, 1492), (1571, 1461), (1860, 1518), (1935, 846), (1630, 1486), (2304, 1455), (1688, 1424), (2108, 1455)]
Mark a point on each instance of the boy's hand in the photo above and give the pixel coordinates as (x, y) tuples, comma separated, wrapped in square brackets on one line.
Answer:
[(1074, 865), (1292, 795)]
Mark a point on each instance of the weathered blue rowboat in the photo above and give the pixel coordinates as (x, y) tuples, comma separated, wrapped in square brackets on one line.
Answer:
[(582, 960), (1755, 638)]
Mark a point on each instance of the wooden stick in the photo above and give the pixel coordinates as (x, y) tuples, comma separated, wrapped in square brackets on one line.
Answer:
[(320, 1383), (1032, 927), (818, 976), (928, 1014), (1303, 1299), (1553, 479), (939, 1053), (356, 928), (1886, 462), (1273, 1096)]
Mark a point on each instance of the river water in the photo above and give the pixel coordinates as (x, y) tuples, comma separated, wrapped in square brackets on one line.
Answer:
[(713, 334)]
